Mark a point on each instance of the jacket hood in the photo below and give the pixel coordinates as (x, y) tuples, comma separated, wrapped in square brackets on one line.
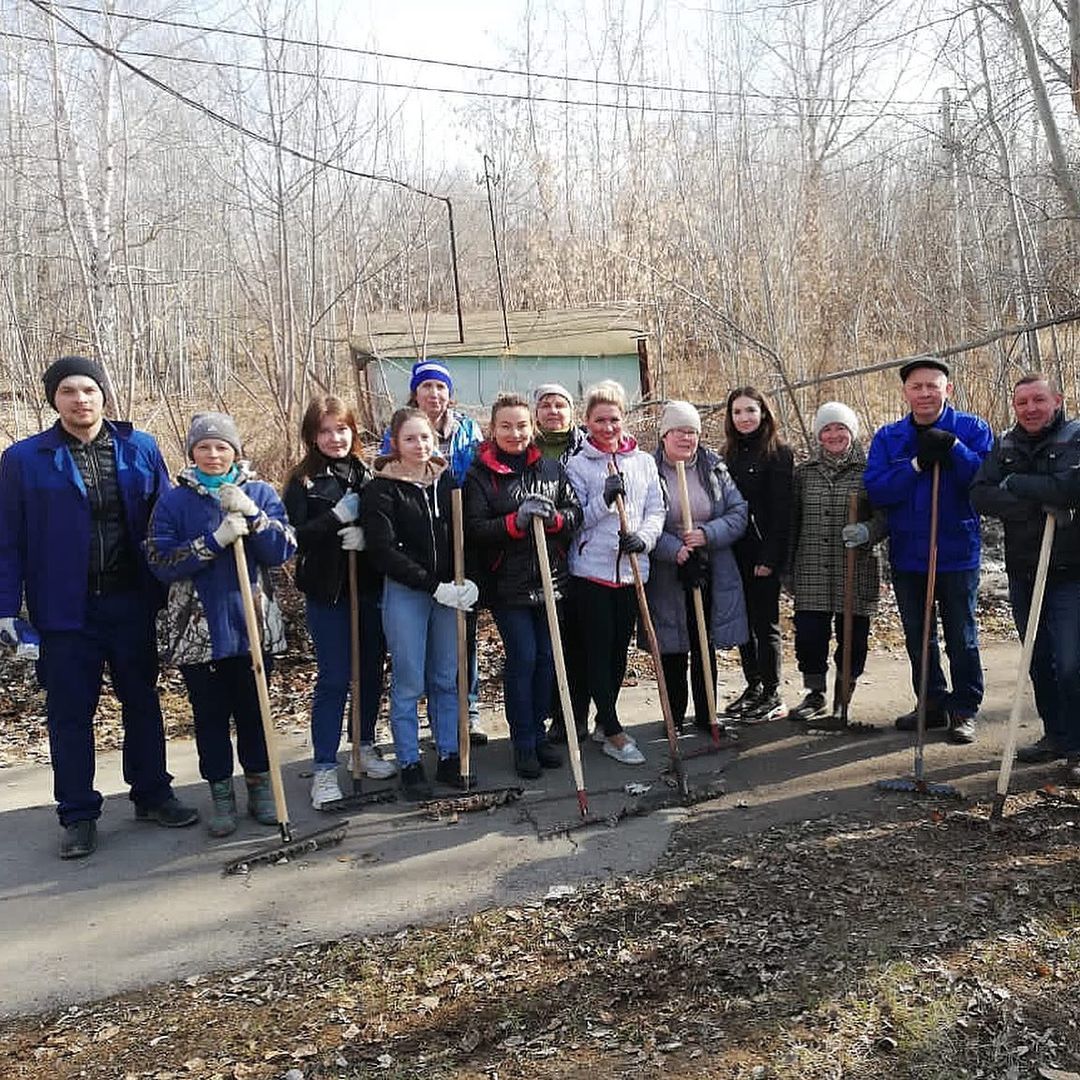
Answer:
[(627, 445), (393, 469), (488, 455)]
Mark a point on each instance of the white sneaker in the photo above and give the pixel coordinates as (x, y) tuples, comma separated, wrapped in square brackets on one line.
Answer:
[(627, 754), (324, 788), (598, 736), (373, 765)]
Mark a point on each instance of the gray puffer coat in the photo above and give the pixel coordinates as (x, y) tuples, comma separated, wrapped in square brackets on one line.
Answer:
[(666, 595)]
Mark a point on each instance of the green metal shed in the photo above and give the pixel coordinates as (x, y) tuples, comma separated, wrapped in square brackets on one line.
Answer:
[(575, 347)]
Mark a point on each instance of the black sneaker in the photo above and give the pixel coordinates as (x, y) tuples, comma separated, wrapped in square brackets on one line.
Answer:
[(962, 729), (748, 699), (448, 771), (527, 764), (1040, 752), (172, 813), (936, 717), (79, 840), (414, 784), (548, 756), (811, 706), (768, 707)]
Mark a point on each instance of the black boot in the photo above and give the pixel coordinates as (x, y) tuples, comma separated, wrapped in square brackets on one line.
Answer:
[(527, 764), (811, 706), (747, 700), (448, 771)]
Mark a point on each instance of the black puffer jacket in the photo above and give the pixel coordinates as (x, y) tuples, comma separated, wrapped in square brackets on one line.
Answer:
[(407, 524), (321, 565), (503, 558), (764, 481)]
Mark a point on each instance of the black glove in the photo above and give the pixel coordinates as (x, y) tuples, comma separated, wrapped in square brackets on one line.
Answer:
[(613, 486), (933, 446), (631, 544), (695, 571)]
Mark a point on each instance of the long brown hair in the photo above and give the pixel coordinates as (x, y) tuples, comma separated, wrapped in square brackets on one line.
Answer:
[(400, 418), (770, 437), (318, 409)]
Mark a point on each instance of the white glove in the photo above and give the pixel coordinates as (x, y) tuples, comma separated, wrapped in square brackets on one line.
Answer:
[(468, 594), (352, 538), (446, 593), (347, 508), (235, 500), (8, 634), (231, 529)]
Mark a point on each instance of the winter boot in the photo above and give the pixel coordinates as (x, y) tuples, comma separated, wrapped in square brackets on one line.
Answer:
[(261, 798), (222, 808)]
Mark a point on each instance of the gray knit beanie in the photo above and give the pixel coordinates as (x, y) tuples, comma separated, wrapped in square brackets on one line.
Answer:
[(836, 412), (679, 414), (544, 389), (213, 425)]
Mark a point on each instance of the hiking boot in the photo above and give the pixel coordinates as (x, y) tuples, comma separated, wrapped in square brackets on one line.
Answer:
[(79, 839), (260, 801), (936, 717), (962, 729), (172, 813), (627, 754), (548, 756), (748, 699), (448, 771), (325, 789), (1039, 752), (373, 765), (527, 764), (768, 707), (811, 706), (222, 808), (1072, 771), (414, 783)]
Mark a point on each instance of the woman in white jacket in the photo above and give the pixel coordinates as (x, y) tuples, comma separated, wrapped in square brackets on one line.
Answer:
[(603, 600)]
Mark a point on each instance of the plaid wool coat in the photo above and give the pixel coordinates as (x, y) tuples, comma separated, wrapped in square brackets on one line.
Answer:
[(819, 511)]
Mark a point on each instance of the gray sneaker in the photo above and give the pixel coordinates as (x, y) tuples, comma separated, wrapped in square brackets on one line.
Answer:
[(79, 840), (172, 813)]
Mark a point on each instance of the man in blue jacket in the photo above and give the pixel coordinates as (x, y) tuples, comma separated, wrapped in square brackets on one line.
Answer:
[(1033, 471), (74, 505), (898, 478)]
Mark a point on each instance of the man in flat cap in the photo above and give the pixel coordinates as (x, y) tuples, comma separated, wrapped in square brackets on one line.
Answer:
[(75, 500), (899, 478)]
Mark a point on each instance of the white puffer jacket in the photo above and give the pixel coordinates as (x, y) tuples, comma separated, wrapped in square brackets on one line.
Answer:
[(594, 550)]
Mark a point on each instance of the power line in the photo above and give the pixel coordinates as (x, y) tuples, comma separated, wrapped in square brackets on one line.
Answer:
[(525, 73), (355, 80)]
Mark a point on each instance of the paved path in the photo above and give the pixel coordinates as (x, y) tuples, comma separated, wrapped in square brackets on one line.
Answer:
[(152, 904)]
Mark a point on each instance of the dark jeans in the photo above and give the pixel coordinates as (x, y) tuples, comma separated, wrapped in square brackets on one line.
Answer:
[(528, 672), (813, 630), (219, 691), (954, 599), (674, 665), (760, 654), (330, 634), (1055, 663), (119, 632), (605, 616)]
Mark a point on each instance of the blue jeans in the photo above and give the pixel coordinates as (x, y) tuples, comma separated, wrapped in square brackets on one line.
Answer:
[(328, 625), (118, 631), (1055, 663), (421, 637), (954, 599), (528, 672), (220, 691)]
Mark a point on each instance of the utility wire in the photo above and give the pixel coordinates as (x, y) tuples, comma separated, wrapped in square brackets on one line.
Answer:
[(525, 73)]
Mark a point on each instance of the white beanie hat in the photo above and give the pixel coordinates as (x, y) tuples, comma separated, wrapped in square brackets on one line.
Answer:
[(836, 412), (544, 389), (679, 414)]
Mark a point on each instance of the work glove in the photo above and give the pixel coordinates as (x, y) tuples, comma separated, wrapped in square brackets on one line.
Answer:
[(468, 594), (933, 446), (347, 508), (352, 538), (631, 543), (533, 506), (695, 571), (460, 597), (234, 500), (855, 535), (8, 634), (232, 527), (613, 487)]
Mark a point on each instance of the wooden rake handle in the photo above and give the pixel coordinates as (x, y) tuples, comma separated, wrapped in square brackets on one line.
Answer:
[(464, 747)]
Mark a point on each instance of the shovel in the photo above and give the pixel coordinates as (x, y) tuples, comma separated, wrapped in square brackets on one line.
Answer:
[(290, 845), (918, 784), (1037, 592)]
